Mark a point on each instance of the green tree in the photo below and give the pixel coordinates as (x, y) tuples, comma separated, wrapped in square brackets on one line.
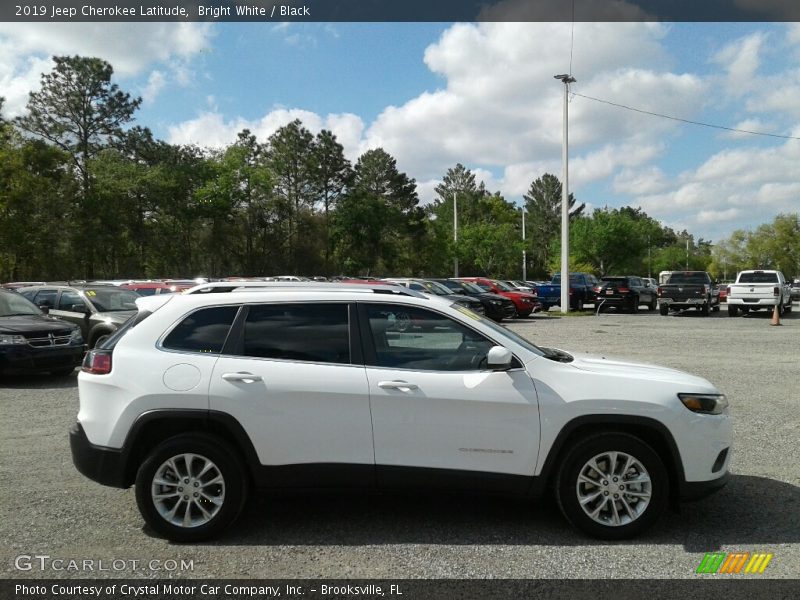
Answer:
[(80, 111), (333, 176), (543, 204)]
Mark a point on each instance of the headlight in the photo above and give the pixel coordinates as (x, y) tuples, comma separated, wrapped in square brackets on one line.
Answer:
[(526, 300), (76, 336), (8, 340), (495, 302), (707, 404)]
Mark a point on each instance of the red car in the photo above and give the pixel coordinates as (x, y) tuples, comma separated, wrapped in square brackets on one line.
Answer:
[(525, 304)]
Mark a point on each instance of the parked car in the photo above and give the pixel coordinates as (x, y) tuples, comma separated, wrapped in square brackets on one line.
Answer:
[(795, 290), (524, 304), (97, 310), (437, 289), (581, 291), (495, 306), (625, 292), (32, 342), (203, 397), (757, 289), (520, 286), (151, 288), (688, 289), (13, 285)]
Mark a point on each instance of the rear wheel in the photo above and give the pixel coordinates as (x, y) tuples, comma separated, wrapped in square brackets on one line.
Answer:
[(612, 486), (704, 309), (653, 304), (664, 310), (191, 487), (634, 307), (733, 310)]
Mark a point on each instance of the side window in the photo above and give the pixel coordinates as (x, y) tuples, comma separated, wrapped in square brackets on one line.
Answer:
[(202, 331), (303, 332), (71, 301), (407, 337), (417, 286), (46, 298)]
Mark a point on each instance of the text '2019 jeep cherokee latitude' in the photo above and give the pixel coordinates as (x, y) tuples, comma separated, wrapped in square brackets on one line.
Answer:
[(202, 397)]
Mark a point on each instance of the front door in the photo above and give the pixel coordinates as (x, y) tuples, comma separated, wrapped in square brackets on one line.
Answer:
[(440, 417)]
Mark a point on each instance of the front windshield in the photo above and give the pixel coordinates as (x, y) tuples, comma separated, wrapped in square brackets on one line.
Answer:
[(504, 332), (437, 288), (12, 304), (504, 286), (111, 299), (472, 288)]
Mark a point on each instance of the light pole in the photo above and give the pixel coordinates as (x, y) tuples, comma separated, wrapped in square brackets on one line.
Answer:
[(524, 250), (649, 261), (455, 235), (566, 80)]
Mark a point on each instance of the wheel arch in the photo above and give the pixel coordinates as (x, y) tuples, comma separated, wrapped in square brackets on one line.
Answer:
[(652, 432), (153, 427)]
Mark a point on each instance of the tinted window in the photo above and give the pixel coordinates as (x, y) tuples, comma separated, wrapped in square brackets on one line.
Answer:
[(45, 298), (688, 278), (758, 278), (14, 304), (202, 331), (306, 332), (407, 337), (71, 301)]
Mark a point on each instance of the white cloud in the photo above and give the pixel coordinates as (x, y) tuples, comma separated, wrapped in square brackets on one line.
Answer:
[(741, 61), (155, 83), (212, 130), (26, 49)]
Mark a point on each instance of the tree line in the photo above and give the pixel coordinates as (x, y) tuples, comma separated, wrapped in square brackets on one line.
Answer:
[(86, 193)]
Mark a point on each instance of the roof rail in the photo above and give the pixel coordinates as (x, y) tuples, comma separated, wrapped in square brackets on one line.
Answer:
[(218, 287)]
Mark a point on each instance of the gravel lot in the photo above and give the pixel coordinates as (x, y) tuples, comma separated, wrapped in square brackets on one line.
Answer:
[(47, 508)]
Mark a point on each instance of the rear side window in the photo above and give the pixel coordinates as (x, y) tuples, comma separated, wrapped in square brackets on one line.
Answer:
[(202, 331), (304, 332)]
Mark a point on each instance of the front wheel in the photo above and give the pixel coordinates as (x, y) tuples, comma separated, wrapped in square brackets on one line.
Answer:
[(612, 486), (191, 487)]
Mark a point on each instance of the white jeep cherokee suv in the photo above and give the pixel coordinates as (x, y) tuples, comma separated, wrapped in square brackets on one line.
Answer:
[(206, 395)]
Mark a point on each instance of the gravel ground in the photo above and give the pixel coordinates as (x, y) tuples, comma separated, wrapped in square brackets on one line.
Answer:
[(47, 508)]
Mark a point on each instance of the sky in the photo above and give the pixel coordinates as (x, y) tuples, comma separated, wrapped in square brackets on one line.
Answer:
[(480, 94)]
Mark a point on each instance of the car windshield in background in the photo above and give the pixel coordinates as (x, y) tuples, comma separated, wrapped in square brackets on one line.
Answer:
[(758, 278), (111, 299), (12, 304), (471, 287), (698, 278), (434, 287), (504, 286)]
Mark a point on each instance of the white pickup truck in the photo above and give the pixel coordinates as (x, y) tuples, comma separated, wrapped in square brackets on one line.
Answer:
[(755, 290)]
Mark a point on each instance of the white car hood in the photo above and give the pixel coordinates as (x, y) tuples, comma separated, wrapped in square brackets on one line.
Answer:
[(614, 366)]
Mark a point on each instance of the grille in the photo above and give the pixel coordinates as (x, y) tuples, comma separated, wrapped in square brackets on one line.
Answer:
[(58, 338)]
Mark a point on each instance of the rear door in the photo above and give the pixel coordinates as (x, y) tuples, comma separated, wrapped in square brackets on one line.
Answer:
[(440, 418), (292, 379)]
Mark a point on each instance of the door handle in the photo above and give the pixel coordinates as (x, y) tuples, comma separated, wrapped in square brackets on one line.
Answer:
[(243, 377), (403, 386)]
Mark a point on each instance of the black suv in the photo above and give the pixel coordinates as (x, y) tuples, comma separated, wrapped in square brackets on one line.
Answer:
[(98, 310), (495, 307), (32, 342), (625, 293)]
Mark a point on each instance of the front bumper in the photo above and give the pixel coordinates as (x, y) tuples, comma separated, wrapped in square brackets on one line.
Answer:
[(23, 358), (696, 490), (103, 465)]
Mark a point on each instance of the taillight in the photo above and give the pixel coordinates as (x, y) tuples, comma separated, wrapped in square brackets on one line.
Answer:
[(660, 290), (777, 291), (728, 291), (97, 362), (623, 290), (597, 289)]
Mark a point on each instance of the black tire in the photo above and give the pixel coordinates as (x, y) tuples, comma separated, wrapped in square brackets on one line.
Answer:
[(579, 304), (663, 309), (634, 308), (733, 311), (788, 308), (653, 304), (228, 465), (704, 310), (98, 338), (567, 486)]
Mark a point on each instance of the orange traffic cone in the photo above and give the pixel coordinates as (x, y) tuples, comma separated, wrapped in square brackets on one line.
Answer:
[(776, 314)]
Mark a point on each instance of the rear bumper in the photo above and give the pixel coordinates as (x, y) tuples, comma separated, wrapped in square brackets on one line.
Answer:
[(103, 465)]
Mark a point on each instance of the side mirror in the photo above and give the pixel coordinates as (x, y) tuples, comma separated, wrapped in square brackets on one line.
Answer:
[(499, 358), (44, 308)]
